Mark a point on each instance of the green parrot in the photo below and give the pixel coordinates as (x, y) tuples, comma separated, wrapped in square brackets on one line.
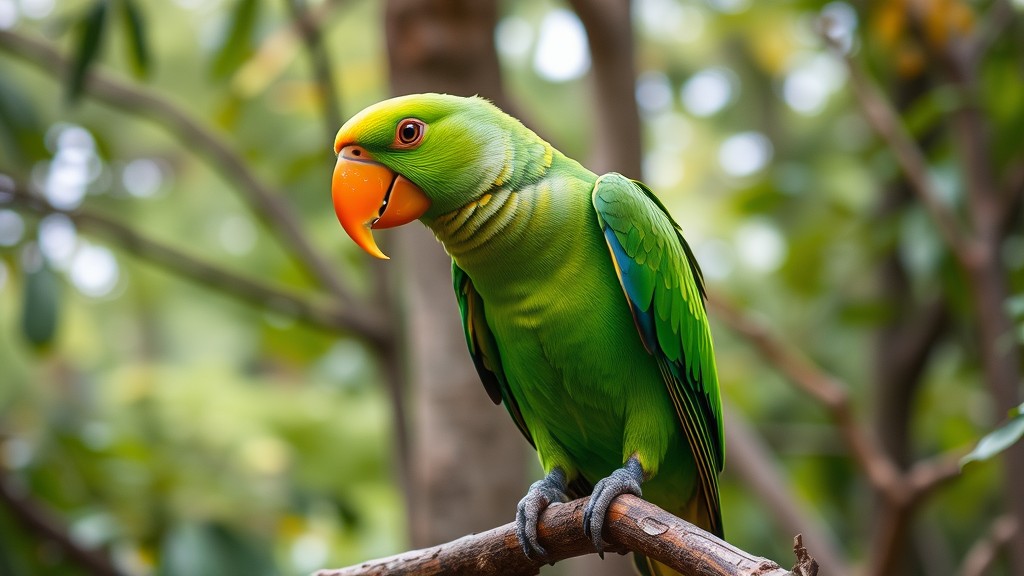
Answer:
[(583, 305)]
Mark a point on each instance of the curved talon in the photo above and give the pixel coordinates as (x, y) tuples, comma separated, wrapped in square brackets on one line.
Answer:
[(542, 493), (625, 480)]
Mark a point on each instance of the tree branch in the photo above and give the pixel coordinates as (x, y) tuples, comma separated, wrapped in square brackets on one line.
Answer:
[(632, 524), (750, 459), (900, 491), (305, 21), (885, 121), (209, 146), (986, 550), (189, 267), (825, 388), (34, 516), (616, 141)]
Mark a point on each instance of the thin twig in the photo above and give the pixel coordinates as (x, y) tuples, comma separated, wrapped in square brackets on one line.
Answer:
[(632, 524), (39, 519), (264, 201), (885, 121), (751, 460), (305, 20), (192, 268), (825, 388), (901, 491), (983, 553)]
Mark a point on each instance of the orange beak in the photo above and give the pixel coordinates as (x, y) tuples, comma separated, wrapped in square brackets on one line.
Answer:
[(369, 195)]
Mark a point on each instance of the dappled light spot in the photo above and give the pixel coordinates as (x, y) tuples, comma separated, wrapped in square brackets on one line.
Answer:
[(309, 552), (8, 14), (94, 529), (94, 271), (97, 435), (66, 177), (12, 228), (266, 455), (653, 92), (715, 257), (668, 19), (760, 245), (744, 154), (16, 453), (709, 91), (191, 4), (840, 24), (37, 9), (513, 38), (791, 178), (237, 235), (142, 177), (562, 51), (58, 240), (663, 168), (811, 81), (344, 361), (729, 6), (671, 130)]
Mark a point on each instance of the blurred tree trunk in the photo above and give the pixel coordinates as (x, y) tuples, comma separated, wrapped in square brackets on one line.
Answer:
[(617, 126), (904, 343), (468, 458)]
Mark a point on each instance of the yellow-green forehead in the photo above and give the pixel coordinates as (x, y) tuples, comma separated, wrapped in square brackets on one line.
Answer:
[(375, 125)]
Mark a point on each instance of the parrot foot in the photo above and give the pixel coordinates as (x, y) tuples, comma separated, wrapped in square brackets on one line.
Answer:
[(542, 493), (625, 480)]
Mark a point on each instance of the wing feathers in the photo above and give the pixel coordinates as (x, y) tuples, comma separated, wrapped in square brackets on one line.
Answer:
[(663, 285)]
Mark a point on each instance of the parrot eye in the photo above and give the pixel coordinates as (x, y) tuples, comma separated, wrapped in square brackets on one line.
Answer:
[(409, 133)]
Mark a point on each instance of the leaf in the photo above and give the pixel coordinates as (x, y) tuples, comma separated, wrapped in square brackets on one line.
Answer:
[(41, 306), (88, 48), (135, 31), (201, 549), (20, 127), (237, 44), (999, 439)]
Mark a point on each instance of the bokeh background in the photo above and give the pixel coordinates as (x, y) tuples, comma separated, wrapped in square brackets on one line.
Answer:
[(200, 374)]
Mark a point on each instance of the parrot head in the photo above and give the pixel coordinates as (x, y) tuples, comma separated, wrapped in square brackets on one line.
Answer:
[(412, 157)]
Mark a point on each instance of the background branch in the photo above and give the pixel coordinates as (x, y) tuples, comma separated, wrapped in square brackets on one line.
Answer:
[(985, 551), (265, 202), (305, 20), (632, 524), (901, 491), (885, 121), (616, 139), (750, 459), (189, 267), (39, 519)]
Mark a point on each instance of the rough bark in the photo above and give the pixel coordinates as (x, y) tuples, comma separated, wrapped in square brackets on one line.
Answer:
[(467, 457), (617, 137), (632, 524)]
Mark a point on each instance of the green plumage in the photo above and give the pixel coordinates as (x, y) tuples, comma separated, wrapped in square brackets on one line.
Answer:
[(582, 303)]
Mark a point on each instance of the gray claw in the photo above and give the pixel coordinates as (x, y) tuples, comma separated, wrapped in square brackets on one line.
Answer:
[(542, 493), (625, 480)]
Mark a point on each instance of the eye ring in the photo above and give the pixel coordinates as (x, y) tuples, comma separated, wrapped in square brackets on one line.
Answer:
[(409, 133)]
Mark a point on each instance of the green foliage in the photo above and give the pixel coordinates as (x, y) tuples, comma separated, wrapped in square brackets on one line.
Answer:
[(181, 428), (237, 43), (20, 125), (999, 439), (41, 305), (135, 32), (88, 48)]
